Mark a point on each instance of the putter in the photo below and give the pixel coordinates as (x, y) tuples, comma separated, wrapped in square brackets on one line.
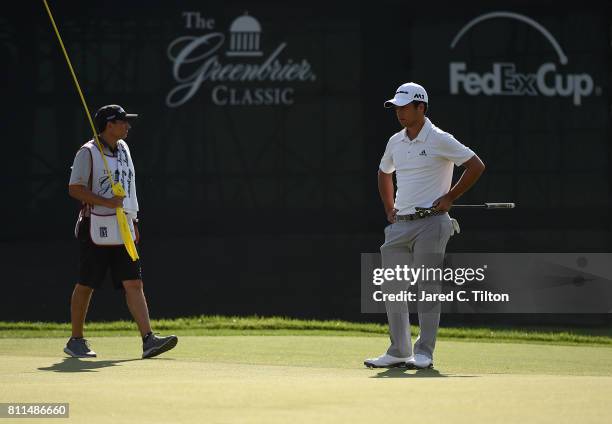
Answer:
[(422, 212)]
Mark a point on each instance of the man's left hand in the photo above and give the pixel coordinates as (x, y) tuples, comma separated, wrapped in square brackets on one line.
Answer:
[(443, 203)]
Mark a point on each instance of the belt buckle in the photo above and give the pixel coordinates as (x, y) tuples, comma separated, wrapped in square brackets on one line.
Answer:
[(424, 212)]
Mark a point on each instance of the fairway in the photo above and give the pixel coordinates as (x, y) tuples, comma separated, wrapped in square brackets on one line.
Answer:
[(280, 379)]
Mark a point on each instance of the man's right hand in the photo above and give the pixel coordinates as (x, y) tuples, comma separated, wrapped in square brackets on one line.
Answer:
[(392, 215), (114, 202), (85, 195)]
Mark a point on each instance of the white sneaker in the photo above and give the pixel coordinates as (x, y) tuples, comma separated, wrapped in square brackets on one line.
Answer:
[(419, 361), (385, 361)]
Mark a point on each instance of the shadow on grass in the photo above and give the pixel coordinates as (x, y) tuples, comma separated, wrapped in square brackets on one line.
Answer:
[(89, 365), (424, 373)]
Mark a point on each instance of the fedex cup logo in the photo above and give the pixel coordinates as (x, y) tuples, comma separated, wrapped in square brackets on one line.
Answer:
[(241, 73), (504, 78)]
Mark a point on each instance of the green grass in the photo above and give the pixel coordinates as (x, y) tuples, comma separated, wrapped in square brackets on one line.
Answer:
[(221, 325), (309, 379)]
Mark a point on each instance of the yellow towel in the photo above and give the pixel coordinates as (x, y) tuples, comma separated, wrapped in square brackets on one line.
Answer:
[(124, 227)]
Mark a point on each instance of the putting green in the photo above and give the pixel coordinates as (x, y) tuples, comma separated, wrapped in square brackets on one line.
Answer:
[(314, 379)]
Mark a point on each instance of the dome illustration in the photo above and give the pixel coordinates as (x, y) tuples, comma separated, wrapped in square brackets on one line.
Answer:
[(244, 41), (245, 23)]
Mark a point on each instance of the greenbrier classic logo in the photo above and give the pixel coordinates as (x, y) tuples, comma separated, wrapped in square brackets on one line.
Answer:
[(229, 61)]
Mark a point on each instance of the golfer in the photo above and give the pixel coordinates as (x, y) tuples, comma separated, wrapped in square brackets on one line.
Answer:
[(101, 246), (422, 156)]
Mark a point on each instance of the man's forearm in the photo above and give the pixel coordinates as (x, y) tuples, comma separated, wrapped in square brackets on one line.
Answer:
[(85, 195), (473, 170), (385, 188)]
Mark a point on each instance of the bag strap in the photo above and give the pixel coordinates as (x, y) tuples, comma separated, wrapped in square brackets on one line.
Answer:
[(86, 207)]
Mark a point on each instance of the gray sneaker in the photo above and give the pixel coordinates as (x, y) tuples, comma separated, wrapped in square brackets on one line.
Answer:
[(79, 348), (155, 345)]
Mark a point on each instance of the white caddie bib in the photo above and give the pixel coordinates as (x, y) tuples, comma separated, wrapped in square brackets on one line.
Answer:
[(103, 227)]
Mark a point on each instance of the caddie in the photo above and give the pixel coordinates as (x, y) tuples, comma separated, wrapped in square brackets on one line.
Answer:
[(101, 246), (422, 156)]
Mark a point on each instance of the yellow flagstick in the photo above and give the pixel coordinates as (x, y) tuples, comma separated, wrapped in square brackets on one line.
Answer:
[(117, 188)]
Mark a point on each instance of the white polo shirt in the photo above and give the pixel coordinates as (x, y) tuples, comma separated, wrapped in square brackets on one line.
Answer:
[(423, 166)]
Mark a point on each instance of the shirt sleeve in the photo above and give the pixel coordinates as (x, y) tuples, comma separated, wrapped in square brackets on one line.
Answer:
[(386, 163), (81, 168), (453, 150)]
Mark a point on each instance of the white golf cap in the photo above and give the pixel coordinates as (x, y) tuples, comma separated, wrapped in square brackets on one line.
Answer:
[(407, 93)]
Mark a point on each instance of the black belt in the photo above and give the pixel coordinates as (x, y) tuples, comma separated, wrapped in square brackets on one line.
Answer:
[(420, 213)]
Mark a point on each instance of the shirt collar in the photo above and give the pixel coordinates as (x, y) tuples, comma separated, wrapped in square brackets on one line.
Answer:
[(107, 147), (422, 135)]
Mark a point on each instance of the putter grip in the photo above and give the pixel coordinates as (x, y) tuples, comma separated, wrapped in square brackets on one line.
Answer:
[(499, 205)]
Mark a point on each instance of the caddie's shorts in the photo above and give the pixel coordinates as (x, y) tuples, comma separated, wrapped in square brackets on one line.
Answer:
[(96, 261)]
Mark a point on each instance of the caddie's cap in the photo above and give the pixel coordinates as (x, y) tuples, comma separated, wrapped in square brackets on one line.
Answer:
[(111, 113), (406, 93)]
